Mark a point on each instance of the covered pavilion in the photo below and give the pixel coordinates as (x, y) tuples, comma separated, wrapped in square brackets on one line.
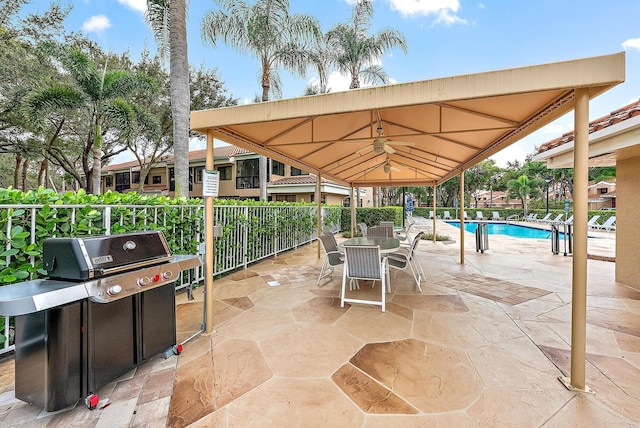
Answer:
[(422, 134)]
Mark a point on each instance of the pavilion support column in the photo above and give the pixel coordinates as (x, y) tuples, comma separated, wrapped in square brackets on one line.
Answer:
[(353, 212), (462, 217), (209, 249), (318, 197), (434, 213), (580, 229)]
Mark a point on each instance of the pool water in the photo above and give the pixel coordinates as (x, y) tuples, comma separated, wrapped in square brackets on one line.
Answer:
[(515, 230)]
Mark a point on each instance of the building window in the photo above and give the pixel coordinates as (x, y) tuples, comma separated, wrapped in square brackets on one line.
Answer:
[(323, 198), (123, 181), (109, 181), (277, 168), (247, 174), (297, 171), (603, 191), (172, 179), (157, 179), (197, 174), (285, 198), (224, 172), (135, 178)]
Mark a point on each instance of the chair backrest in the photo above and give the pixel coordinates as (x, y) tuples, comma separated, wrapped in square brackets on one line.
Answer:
[(430, 214), (363, 261), (609, 221), (331, 248), (328, 242), (363, 228), (570, 219), (389, 225), (496, 216), (558, 218), (414, 244), (379, 232), (447, 215), (593, 220), (479, 215)]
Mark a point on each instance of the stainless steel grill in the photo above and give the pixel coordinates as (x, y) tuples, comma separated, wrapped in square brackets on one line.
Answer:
[(108, 305)]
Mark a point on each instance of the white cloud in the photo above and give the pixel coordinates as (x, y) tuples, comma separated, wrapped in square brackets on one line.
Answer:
[(445, 17), (97, 23), (444, 9), (631, 44), (137, 5)]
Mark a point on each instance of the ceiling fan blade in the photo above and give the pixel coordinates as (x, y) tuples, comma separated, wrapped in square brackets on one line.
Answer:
[(401, 143), (365, 150), (389, 149)]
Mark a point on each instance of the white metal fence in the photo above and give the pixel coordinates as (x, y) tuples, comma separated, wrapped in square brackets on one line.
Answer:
[(250, 232)]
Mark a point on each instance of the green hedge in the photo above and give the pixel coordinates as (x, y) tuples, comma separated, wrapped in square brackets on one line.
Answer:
[(371, 216)]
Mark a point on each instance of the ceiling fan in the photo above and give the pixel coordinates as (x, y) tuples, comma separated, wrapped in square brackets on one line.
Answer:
[(388, 167), (383, 144)]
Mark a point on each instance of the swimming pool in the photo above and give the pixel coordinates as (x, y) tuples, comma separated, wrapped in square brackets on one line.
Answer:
[(509, 229)]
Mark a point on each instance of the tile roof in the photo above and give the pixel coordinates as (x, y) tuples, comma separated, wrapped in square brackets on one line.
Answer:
[(300, 179), (616, 116), (219, 152)]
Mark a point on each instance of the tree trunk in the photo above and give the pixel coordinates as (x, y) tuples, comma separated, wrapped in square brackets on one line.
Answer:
[(42, 173), (180, 101), (16, 171), (96, 185), (25, 170)]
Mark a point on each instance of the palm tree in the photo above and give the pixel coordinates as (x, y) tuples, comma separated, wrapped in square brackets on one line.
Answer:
[(168, 19), (269, 33), (357, 54), (520, 188), (104, 98)]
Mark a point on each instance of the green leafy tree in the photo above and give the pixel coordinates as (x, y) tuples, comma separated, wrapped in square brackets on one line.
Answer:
[(168, 20), (103, 98), (520, 188), (24, 66), (266, 31), (355, 52), (207, 92), (478, 178)]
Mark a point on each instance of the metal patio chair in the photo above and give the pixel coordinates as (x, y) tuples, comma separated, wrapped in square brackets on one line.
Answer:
[(402, 260), (363, 262), (389, 225), (404, 235), (379, 231), (363, 228), (333, 256)]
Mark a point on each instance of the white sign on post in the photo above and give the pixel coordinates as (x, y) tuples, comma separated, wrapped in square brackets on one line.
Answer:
[(210, 182)]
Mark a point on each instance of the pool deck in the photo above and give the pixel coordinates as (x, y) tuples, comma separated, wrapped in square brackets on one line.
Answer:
[(483, 345)]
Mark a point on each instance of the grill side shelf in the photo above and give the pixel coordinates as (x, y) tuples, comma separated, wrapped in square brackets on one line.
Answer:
[(37, 295)]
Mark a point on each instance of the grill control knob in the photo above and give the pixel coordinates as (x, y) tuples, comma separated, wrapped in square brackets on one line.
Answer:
[(113, 290), (129, 245), (144, 281), (166, 275)]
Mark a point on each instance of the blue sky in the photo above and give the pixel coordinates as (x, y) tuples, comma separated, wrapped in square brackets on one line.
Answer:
[(444, 37)]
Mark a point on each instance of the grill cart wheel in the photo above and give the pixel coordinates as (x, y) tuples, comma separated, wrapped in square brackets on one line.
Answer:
[(177, 349)]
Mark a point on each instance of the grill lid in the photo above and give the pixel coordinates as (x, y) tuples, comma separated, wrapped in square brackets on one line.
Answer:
[(97, 256)]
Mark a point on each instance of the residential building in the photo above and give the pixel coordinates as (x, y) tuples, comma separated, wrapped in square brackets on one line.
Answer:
[(239, 179)]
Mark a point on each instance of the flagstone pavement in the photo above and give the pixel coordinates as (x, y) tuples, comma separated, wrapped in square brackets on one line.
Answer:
[(483, 345)]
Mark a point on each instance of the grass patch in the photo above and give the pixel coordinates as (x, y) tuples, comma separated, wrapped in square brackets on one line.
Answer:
[(429, 236)]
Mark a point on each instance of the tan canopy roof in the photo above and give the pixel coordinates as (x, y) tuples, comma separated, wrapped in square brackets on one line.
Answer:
[(450, 123)]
